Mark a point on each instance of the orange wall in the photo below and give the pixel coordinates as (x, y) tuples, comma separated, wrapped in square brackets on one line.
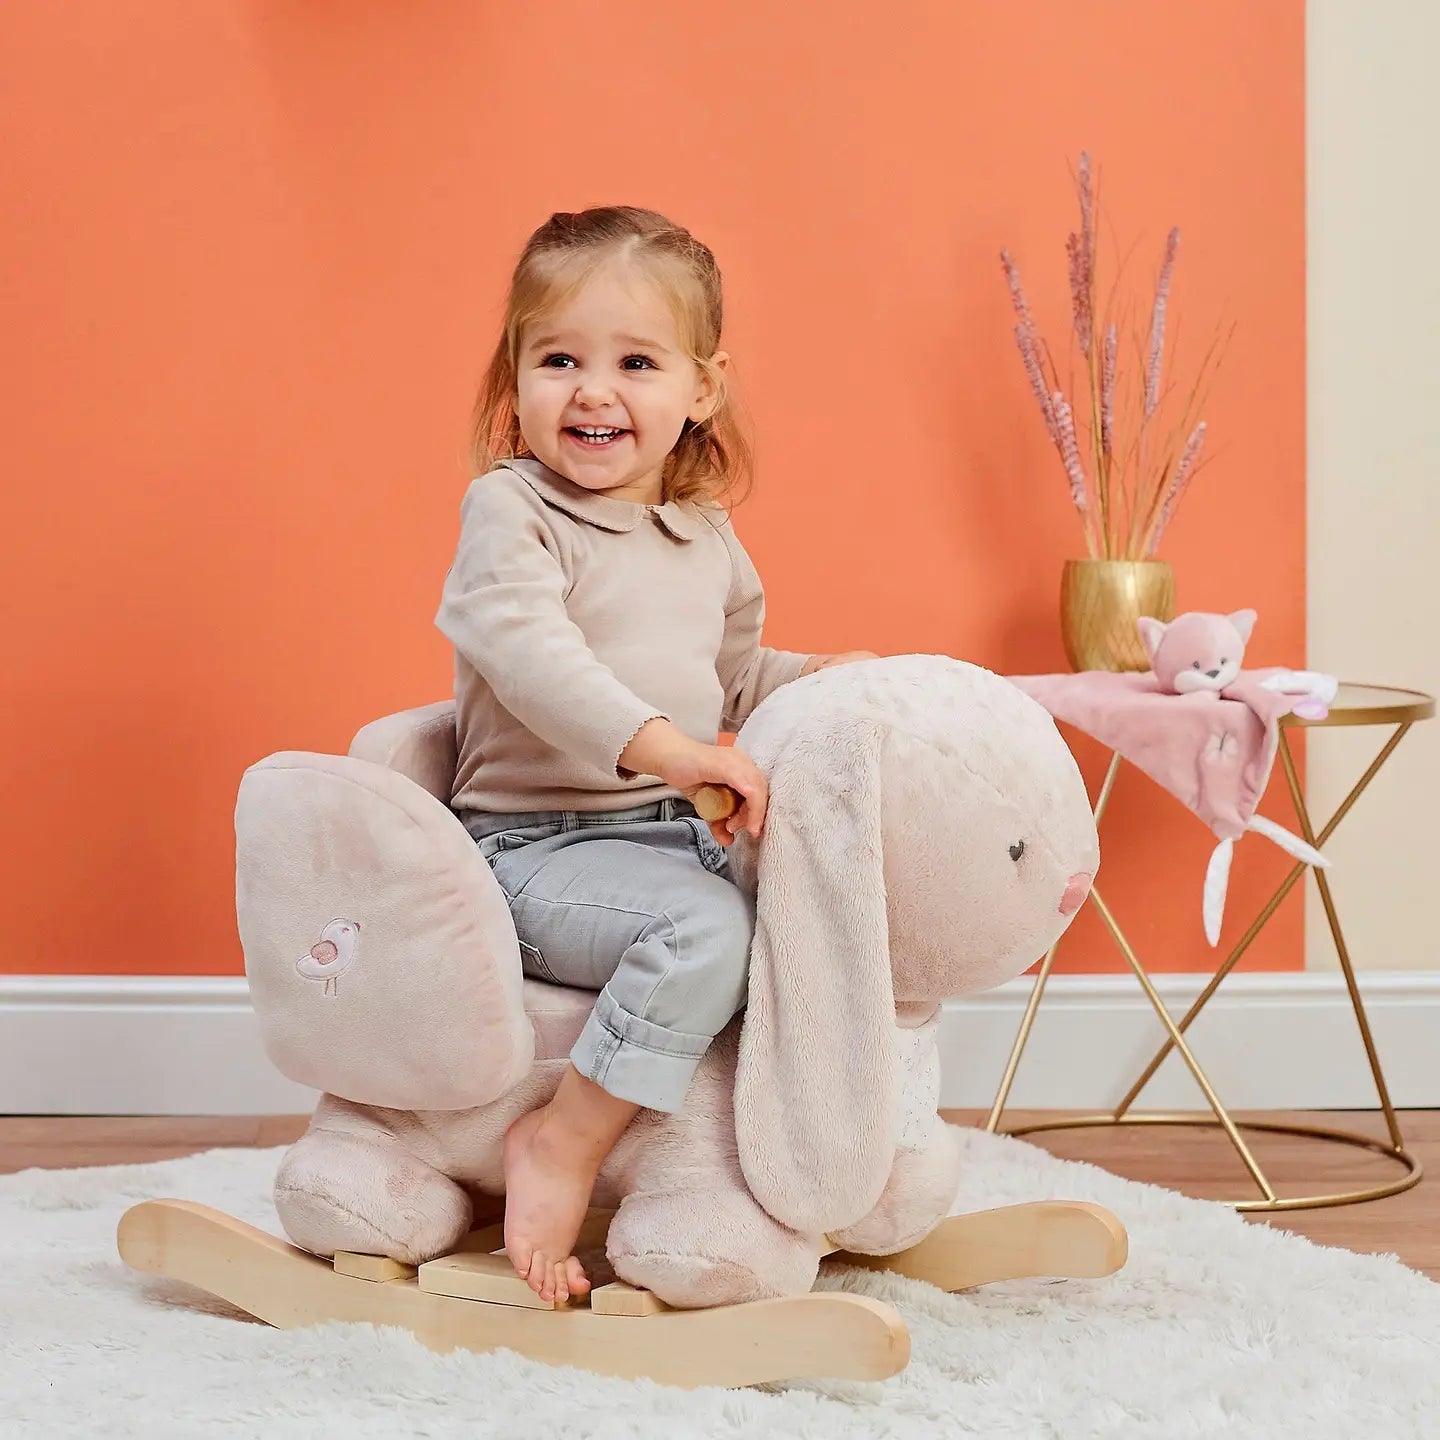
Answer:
[(254, 257)]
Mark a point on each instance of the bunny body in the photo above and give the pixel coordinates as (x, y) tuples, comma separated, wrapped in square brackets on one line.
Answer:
[(929, 835), (402, 1183)]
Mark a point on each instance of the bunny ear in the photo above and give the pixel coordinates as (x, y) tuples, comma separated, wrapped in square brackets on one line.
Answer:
[(1152, 631), (815, 1078), (1244, 622)]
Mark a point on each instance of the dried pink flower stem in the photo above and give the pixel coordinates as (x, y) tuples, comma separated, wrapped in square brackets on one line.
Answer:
[(1030, 354), (1062, 434), (1070, 451), (1107, 391), (1079, 291), (1027, 337), (1157, 323), (1080, 250), (1177, 487), (1017, 292), (1105, 462)]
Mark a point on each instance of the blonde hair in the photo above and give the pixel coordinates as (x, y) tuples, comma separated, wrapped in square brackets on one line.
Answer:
[(713, 459)]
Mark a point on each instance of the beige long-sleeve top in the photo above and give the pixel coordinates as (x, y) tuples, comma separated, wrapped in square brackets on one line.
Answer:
[(575, 619)]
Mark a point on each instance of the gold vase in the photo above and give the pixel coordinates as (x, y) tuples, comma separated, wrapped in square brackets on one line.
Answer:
[(1100, 601)]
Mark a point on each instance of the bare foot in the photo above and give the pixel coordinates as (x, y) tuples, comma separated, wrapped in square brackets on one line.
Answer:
[(548, 1181), (552, 1156)]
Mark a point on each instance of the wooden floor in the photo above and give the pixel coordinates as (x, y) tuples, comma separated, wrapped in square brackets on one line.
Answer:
[(1199, 1162), (1204, 1163)]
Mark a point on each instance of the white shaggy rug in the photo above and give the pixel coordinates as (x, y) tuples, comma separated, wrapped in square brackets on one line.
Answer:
[(1215, 1328)]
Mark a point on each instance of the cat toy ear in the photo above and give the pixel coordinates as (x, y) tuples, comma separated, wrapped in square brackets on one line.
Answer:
[(1244, 622), (1152, 631)]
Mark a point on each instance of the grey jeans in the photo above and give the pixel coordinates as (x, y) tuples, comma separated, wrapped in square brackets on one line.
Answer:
[(637, 905)]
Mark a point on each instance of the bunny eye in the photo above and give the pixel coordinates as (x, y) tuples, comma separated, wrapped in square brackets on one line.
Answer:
[(1196, 665), (1017, 850)]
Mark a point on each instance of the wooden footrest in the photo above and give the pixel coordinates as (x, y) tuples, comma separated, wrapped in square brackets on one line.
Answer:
[(479, 1271), (492, 1278), (380, 1268), (480, 1277), (622, 1299)]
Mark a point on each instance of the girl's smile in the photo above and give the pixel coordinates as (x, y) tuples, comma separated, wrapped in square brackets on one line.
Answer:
[(605, 384), (590, 437)]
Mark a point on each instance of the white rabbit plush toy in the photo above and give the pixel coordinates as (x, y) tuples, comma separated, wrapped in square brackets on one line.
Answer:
[(928, 835)]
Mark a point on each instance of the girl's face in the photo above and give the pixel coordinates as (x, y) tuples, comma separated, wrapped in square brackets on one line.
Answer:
[(603, 386)]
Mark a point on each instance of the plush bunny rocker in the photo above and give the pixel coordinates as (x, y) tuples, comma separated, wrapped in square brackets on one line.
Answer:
[(928, 835)]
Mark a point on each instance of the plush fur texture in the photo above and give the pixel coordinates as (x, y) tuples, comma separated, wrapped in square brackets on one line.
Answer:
[(926, 823), (898, 789)]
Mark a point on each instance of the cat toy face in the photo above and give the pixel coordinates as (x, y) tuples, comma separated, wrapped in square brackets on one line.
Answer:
[(1197, 652)]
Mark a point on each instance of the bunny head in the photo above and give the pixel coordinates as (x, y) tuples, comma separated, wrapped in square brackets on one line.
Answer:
[(928, 834), (1198, 651)]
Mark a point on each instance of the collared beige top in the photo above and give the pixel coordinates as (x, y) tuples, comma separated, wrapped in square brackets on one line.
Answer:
[(575, 619)]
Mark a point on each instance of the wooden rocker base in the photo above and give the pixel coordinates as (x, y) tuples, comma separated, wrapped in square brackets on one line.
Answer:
[(825, 1334)]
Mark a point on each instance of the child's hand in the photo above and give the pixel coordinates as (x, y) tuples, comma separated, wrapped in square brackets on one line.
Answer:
[(662, 749), (693, 766), (848, 657)]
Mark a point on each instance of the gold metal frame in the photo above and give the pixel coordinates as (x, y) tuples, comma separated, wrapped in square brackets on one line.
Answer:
[(1352, 707)]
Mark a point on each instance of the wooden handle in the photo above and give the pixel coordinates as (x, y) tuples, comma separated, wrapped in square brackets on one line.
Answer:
[(717, 802)]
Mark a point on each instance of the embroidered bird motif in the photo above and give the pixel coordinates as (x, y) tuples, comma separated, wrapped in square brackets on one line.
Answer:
[(332, 955)]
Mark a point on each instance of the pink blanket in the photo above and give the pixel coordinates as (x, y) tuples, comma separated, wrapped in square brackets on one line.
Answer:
[(1213, 753)]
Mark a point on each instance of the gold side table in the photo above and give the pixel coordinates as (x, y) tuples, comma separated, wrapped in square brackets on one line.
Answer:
[(1354, 705)]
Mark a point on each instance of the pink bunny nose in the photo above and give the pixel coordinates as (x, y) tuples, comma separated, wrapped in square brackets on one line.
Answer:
[(1076, 889)]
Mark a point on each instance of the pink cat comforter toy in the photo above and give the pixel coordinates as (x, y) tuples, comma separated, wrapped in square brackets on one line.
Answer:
[(1200, 725)]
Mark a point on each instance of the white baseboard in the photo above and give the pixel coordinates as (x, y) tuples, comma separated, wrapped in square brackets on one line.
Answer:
[(136, 1045), (1266, 1041), (190, 1045)]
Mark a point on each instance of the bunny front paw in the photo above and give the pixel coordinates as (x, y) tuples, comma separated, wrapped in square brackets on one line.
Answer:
[(696, 1249)]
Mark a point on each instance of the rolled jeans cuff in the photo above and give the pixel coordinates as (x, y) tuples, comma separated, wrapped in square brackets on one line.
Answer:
[(635, 1059)]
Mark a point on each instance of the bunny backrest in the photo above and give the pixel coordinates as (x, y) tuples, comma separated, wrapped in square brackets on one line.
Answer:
[(420, 744), (928, 834), (380, 951)]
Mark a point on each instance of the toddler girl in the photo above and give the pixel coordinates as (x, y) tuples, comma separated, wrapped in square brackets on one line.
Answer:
[(606, 623)]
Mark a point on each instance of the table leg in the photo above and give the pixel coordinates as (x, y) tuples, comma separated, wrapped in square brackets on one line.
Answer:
[(1178, 1040), (1341, 949), (1175, 1039), (1038, 989), (1231, 960)]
